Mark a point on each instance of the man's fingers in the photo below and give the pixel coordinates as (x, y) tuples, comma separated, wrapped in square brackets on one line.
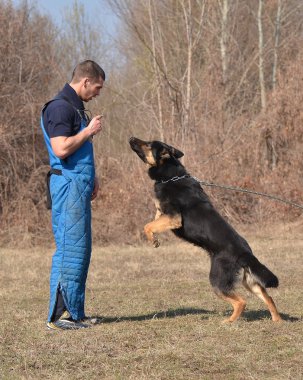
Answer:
[(95, 124)]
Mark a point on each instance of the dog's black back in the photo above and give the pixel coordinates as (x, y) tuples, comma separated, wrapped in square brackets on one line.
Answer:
[(202, 225), (183, 207)]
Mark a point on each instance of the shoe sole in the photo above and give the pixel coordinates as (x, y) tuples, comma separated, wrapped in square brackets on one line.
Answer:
[(66, 325), (86, 319)]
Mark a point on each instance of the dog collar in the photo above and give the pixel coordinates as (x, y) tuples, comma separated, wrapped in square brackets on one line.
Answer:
[(174, 179)]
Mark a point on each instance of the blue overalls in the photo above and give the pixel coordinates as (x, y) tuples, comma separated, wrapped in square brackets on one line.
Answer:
[(71, 222)]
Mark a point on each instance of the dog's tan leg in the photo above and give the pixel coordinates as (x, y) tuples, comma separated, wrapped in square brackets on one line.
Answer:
[(250, 284), (238, 304), (163, 223), (158, 209), (261, 292)]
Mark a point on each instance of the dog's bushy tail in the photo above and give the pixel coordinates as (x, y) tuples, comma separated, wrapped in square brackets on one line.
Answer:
[(261, 274)]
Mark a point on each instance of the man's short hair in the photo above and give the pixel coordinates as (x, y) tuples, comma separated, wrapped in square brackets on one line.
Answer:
[(88, 69)]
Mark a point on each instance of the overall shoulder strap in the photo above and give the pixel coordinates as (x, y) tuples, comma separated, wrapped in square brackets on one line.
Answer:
[(66, 99), (58, 98), (63, 97)]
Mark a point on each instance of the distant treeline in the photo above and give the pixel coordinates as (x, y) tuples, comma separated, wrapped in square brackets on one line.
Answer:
[(220, 80)]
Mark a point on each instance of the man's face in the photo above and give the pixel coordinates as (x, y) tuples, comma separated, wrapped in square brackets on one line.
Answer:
[(91, 88)]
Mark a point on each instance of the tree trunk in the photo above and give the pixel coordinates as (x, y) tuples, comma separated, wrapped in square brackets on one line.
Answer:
[(156, 71), (277, 39), (223, 38), (261, 58), (186, 110)]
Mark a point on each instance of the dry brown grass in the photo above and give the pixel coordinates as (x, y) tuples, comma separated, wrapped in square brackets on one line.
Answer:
[(160, 318)]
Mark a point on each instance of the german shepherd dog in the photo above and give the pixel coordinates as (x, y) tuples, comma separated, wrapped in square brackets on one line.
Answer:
[(183, 207)]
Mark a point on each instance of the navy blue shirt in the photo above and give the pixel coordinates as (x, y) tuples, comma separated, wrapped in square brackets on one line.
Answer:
[(63, 117)]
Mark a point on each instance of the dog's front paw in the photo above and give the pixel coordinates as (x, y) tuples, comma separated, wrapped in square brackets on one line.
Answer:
[(156, 243)]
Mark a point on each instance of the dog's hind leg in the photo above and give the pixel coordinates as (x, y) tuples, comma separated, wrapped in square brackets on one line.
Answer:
[(237, 302), (163, 223), (260, 292)]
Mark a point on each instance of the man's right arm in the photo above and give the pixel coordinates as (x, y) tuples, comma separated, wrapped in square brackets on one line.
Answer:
[(65, 146)]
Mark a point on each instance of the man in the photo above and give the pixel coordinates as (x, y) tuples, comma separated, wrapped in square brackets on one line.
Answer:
[(68, 136)]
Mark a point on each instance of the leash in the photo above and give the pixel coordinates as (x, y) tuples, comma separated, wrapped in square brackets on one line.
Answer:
[(234, 188)]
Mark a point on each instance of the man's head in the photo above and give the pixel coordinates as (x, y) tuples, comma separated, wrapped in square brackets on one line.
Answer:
[(87, 80)]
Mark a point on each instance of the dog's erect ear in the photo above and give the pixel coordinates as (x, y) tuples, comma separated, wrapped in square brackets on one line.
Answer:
[(173, 151), (162, 151), (177, 153)]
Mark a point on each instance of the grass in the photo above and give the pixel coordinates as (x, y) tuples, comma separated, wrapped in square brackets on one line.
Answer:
[(160, 319)]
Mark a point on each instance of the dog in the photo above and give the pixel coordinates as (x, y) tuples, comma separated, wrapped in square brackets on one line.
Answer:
[(185, 209)]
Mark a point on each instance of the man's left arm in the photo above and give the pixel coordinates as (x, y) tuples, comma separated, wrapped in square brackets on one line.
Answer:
[(96, 188)]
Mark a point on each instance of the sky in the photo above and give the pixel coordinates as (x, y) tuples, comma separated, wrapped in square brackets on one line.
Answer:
[(96, 10)]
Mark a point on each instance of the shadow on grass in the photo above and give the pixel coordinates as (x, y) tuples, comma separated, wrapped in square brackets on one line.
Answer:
[(255, 315), (157, 315), (249, 316)]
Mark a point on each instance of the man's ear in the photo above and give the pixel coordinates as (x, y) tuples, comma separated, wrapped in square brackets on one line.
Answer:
[(85, 82)]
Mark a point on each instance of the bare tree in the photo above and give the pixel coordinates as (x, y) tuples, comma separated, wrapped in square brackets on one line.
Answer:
[(224, 7), (27, 74), (261, 56), (156, 68), (276, 45), (80, 38), (193, 36)]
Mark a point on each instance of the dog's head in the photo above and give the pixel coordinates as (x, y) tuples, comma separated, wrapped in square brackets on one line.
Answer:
[(154, 152)]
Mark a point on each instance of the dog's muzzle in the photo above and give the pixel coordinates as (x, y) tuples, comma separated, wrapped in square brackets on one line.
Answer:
[(136, 145)]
